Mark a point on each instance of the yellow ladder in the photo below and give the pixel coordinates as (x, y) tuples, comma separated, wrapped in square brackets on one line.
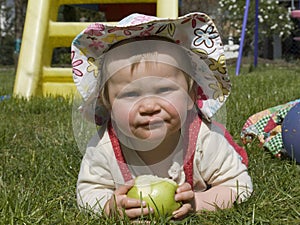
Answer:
[(42, 33)]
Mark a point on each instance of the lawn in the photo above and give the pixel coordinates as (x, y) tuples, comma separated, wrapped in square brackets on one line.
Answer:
[(40, 158)]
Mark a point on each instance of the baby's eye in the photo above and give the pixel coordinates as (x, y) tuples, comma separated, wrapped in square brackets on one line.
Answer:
[(129, 94), (165, 89)]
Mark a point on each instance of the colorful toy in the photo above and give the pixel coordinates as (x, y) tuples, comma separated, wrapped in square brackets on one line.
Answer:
[(266, 127), (291, 133)]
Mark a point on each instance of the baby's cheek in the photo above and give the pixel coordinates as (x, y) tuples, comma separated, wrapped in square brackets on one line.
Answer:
[(120, 114)]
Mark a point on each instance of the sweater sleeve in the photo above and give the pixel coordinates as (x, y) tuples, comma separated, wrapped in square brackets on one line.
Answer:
[(217, 163)]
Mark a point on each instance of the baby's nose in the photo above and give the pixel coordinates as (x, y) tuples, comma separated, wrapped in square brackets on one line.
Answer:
[(149, 106)]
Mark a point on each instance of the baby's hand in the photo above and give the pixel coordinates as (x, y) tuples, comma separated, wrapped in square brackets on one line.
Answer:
[(185, 194), (119, 203)]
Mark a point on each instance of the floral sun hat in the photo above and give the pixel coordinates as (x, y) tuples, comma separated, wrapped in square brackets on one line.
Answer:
[(195, 33)]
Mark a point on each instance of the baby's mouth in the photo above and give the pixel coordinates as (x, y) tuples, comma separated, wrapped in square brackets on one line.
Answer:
[(156, 124), (153, 124)]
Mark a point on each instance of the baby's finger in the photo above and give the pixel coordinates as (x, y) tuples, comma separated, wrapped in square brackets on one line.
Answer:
[(136, 212), (127, 203), (182, 211), (122, 190), (185, 196), (184, 187)]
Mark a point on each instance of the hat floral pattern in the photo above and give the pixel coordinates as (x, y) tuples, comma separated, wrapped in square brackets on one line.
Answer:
[(194, 32)]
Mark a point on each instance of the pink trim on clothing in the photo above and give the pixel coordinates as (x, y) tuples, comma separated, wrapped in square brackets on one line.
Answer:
[(240, 150), (118, 153), (193, 123)]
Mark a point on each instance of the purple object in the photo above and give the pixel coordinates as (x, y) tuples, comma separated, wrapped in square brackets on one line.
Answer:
[(256, 33), (4, 97), (291, 133), (237, 71)]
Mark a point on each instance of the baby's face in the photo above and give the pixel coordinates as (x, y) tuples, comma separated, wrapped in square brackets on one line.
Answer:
[(149, 100)]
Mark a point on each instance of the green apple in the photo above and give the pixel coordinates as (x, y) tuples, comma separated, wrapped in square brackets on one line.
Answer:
[(157, 192)]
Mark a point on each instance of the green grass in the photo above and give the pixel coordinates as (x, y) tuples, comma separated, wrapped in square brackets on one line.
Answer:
[(39, 158)]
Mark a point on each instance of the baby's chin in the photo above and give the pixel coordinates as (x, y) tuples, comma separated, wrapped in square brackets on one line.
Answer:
[(153, 133)]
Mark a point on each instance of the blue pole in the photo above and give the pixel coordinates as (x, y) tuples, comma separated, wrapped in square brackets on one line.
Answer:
[(237, 71), (256, 33)]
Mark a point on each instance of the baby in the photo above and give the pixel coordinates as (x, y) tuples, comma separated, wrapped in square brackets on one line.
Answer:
[(153, 85)]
